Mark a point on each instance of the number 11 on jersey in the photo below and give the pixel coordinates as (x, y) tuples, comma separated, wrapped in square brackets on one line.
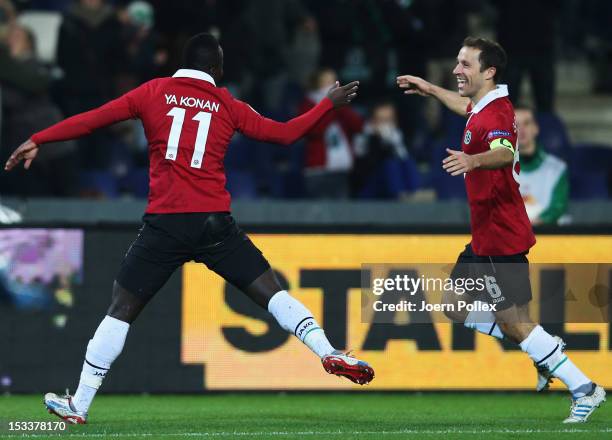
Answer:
[(178, 118)]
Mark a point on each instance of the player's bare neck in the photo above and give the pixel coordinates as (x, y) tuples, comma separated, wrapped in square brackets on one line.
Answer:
[(482, 92)]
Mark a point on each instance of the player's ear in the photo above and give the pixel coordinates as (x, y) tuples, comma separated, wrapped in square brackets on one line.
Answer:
[(490, 73)]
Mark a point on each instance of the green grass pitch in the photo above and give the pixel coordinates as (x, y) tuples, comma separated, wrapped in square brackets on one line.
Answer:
[(319, 416)]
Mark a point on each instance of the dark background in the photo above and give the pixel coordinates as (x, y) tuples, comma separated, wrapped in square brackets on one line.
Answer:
[(40, 357)]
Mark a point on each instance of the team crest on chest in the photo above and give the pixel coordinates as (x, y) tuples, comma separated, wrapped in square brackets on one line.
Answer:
[(468, 137)]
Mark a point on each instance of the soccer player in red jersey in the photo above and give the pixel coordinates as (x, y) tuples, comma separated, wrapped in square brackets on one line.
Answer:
[(189, 122), (501, 231)]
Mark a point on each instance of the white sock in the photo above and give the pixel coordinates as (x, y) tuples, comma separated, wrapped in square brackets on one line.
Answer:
[(297, 319), (543, 349), (484, 322), (102, 350)]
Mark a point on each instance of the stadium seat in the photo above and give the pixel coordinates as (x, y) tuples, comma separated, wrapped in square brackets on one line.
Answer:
[(136, 182), (241, 184), (293, 177), (454, 125), (448, 187), (240, 153), (45, 27), (419, 145), (553, 135), (590, 168), (101, 182)]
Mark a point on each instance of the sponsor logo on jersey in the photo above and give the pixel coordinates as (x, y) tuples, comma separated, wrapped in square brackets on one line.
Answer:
[(468, 137), (498, 133)]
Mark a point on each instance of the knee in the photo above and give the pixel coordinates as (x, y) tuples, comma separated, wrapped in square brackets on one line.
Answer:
[(511, 331), (124, 305), (455, 316), (516, 331), (449, 308), (120, 312), (263, 288)]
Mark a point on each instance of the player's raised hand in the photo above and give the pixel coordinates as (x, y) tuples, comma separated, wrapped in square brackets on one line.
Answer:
[(343, 95), (414, 85), (26, 151), (458, 162)]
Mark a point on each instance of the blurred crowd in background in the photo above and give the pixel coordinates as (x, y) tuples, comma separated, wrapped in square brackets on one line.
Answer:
[(61, 57)]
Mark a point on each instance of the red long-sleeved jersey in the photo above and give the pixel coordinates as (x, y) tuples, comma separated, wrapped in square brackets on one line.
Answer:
[(188, 122)]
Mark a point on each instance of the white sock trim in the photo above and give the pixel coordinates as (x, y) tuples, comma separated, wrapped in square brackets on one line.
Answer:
[(483, 322), (544, 350)]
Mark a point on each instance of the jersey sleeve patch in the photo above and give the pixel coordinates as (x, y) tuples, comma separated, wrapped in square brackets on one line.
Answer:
[(502, 143), (498, 133)]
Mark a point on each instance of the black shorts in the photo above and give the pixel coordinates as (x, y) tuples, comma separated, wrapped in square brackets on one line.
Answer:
[(167, 241), (506, 277)]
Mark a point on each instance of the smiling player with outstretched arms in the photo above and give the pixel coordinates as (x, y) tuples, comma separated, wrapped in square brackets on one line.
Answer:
[(501, 231), (189, 122)]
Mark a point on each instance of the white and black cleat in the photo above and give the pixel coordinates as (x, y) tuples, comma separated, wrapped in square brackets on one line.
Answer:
[(583, 407), (62, 407)]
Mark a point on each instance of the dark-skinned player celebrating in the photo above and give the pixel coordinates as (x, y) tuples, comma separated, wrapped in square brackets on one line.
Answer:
[(189, 122)]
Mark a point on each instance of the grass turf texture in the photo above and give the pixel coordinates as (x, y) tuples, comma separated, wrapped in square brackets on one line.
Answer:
[(318, 416)]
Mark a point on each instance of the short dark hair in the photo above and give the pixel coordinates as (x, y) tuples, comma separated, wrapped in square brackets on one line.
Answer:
[(491, 55), (202, 52)]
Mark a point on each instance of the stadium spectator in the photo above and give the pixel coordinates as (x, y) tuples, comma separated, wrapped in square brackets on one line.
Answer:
[(146, 58), (269, 30), (27, 109), (46, 5), (531, 47), (544, 184), (90, 53), (383, 168), (7, 17), (329, 154), (377, 39), (144, 52), (599, 47), (304, 53), (178, 19)]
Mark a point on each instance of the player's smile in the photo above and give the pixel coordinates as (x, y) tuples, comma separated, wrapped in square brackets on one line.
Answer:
[(461, 83)]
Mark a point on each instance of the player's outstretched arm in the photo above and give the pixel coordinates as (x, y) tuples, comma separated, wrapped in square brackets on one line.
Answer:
[(414, 85), (120, 109), (26, 151), (343, 95), (458, 162), (255, 126)]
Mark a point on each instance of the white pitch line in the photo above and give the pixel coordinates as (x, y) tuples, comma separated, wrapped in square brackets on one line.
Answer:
[(314, 433)]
